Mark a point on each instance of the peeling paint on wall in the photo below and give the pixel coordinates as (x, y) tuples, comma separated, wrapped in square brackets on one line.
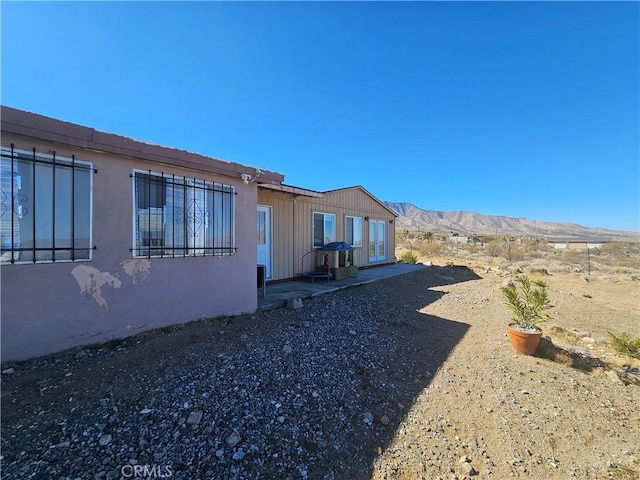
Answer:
[(92, 280), (138, 269)]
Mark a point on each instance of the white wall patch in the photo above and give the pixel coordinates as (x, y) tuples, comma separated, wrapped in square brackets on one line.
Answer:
[(91, 281)]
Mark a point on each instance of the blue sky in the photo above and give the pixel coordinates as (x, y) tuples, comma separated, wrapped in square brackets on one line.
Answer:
[(507, 108)]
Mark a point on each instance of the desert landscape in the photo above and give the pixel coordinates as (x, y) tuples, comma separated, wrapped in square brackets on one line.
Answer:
[(410, 377)]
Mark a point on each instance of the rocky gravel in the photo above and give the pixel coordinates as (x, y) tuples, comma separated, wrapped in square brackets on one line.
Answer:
[(409, 377)]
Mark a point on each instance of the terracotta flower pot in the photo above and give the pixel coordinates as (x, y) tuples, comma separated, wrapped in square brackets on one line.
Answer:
[(523, 342)]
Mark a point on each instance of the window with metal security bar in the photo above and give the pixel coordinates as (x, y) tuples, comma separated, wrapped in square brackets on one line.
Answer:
[(180, 217), (45, 207)]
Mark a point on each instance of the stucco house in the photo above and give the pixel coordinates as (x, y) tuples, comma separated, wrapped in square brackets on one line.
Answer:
[(103, 236), (85, 257)]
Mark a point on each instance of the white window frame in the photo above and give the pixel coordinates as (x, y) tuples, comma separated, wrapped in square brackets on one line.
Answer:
[(14, 253), (325, 240), (187, 249), (353, 230)]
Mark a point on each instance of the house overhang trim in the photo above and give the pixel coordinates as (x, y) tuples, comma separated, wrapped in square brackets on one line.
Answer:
[(292, 190), (39, 127)]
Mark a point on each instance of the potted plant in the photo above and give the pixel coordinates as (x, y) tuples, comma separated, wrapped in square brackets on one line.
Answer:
[(529, 302)]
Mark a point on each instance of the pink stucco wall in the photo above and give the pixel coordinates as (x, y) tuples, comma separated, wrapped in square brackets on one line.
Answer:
[(44, 306)]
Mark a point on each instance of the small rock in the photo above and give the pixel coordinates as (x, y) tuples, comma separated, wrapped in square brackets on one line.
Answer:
[(104, 440), (220, 453), (368, 418), (194, 417), (468, 469), (9, 371), (233, 439), (81, 354), (306, 324), (287, 349), (239, 455), (614, 377), (114, 474), (64, 444), (384, 420), (352, 332), (145, 411), (280, 419), (294, 304)]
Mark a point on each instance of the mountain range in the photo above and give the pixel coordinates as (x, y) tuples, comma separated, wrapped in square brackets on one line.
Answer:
[(413, 218)]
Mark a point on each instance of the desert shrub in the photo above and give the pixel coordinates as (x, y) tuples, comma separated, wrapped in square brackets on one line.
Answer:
[(618, 254), (433, 250), (493, 249), (534, 248), (409, 257), (625, 344)]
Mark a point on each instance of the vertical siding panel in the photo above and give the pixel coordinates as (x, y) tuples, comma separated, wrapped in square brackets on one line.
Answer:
[(293, 217)]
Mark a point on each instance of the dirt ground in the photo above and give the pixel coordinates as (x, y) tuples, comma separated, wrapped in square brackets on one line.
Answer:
[(463, 404), (570, 411)]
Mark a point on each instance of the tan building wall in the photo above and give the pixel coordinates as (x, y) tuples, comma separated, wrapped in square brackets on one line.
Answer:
[(292, 227)]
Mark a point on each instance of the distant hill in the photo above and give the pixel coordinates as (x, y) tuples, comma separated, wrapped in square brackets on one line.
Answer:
[(414, 218)]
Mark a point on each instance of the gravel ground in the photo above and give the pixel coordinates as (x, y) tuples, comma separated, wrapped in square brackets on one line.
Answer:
[(409, 377)]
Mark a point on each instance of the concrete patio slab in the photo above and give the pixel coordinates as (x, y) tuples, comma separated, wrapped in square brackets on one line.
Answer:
[(277, 294)]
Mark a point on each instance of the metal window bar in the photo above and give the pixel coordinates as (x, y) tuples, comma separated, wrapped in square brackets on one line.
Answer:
[(173, 215), (188, 219), (194, 212), (214, 227), (53, 210), (14, 157), (13, 207), (149, 217), (73, 208), (34, 205), (162, 239)]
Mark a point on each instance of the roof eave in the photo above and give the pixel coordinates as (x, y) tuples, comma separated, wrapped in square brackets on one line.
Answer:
[(21, 123)]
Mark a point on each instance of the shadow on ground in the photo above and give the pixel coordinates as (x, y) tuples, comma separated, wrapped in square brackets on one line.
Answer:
[(580, 361), (345, 385)]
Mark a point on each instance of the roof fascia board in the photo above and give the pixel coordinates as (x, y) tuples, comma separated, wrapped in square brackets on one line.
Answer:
[(367, 192), (292, 190), (21, 123)]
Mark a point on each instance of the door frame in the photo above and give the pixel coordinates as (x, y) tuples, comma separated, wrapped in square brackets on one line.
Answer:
[(269, 240), (374, 226)]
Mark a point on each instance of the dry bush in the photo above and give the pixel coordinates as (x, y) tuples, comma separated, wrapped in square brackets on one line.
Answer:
[(494, 249), (433, 249)]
